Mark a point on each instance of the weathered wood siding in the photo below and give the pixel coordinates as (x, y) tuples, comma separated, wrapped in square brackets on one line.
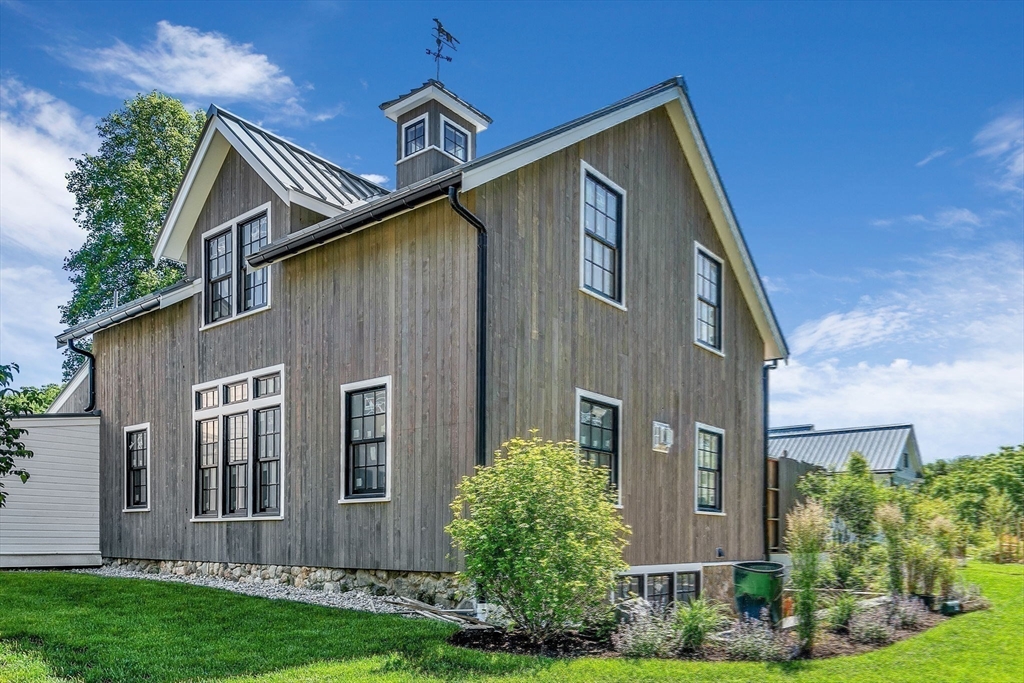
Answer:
[(790, 471), (547, 337), (52, 520), (430, 161), (396, 299)]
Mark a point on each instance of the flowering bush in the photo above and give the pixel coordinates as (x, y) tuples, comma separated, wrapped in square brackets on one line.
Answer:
[(755, 640), (646, 631), (907, 613), (807, 529), (871, 627)]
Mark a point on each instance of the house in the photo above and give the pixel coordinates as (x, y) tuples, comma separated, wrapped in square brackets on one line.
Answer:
[(301, 407), (891, 450)]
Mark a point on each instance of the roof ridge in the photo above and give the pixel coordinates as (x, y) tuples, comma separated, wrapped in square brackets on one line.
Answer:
[(817, 432)]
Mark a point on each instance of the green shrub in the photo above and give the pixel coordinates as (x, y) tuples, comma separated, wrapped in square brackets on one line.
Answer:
[(807, 528), (871, 627), (840, 613), (695, 621), (541, 535), (755, 640), (891, 521), (907, 613), (646, 631)]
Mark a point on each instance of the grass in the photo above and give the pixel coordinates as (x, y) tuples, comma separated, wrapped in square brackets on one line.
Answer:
[(58, 627)]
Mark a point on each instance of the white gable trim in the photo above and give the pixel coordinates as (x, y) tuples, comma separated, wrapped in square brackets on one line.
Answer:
[(695, 150), (434, 93), (69, 389)]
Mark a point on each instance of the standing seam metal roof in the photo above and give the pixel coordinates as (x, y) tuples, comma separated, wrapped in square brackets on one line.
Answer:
[(299, 169), (882, 446)]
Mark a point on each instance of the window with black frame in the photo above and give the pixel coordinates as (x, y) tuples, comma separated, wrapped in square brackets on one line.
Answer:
[(456, 142), (709, 471), (709, 301), (366, 443), (687, 587), (599, 436), (602, 239), (629, 587), (236, 463), (137, 460), (267, 452), (659, 590), (208, 447), (415, 137), (253, 236), (218, 277)]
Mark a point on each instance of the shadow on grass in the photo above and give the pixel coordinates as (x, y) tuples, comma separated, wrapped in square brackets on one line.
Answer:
[(106, 629)]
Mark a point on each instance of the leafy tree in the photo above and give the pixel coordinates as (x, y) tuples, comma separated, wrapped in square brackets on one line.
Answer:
[(10, 445), (121, 196), (29, 400), (968, 483), (541, 535), (807, 529)]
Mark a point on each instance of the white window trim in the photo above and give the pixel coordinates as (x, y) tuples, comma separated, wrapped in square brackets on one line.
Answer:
[(617, 404), (149, 466), (698, 428), (469, 140), (232, 225), (426, 136), (699, 248), (219, 411), (389, 451), (585, 169)]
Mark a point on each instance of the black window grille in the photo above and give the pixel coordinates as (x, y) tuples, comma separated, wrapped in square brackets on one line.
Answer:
[(455, 142), (218, 277), (687, 587), (236, 461), (709, 301), (207, 398), (415, 137), (659, 590), (366, 454), (253, 237), (236, 393), (602, 254), (267, 454), (207, 445), (268, 386), (629, 587), (137, 451), (599, 436), (709, 471)]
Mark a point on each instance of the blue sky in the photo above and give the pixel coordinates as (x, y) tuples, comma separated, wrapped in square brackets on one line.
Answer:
[(873, 154)]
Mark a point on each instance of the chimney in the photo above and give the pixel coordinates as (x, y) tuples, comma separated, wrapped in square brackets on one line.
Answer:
[(436, 130)]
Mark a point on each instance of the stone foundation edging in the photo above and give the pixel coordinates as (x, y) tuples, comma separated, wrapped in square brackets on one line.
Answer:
[(433, 588)]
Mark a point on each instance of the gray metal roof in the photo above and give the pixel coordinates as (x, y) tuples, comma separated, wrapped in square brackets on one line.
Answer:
[(830, 448), (299, 169)]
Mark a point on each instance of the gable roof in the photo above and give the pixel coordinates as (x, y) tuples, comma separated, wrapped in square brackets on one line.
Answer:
[(435, 90), (830, 448), (69, 389), (296, 175)]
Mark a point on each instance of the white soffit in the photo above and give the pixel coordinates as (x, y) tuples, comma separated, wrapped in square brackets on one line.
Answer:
[(432, 92)]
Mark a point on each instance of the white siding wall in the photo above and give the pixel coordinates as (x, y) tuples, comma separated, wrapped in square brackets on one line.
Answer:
[(54, 518)]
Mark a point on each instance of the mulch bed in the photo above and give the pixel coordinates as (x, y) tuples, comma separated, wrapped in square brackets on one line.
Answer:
[(580, 645)]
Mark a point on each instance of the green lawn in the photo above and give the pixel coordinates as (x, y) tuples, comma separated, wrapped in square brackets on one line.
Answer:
[(61, 627)]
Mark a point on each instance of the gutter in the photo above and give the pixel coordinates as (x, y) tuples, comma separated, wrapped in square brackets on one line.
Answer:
[(92, 375), (765, 369), (481, 322)]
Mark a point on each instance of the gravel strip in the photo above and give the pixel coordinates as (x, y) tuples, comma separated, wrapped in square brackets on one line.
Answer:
[(353, 599)]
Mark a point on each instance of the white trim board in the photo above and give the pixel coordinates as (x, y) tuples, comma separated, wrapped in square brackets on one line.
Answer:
[(425, 118), (144, 427), (469, 139), (389, 453), (586, 169), (69, 389)]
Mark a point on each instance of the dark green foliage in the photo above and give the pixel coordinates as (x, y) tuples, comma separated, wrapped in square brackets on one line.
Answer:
[(969, 482), (30, 400), (121, 196), (840, 613), (11, 446)]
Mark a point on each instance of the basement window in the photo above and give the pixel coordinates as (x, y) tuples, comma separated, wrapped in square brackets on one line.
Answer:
[(660, 589)]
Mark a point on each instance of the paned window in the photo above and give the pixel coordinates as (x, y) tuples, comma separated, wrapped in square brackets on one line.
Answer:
[(236, 461), (709, 470), (415, 137), (687, 587), (366, 443), (218, 277), (629, 587), (599, 436), (268, 386), (455, 142), (254, 235), (267, 452), (208, 398), (208, 447), (137, 460), (602, 238), (659, 590), (236, 393), (709, 301)]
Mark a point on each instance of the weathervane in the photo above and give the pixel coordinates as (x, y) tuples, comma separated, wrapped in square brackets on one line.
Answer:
[(443, 39)]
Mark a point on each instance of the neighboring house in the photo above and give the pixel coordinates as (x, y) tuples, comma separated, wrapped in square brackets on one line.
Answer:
[(340, 356), (891, 450)]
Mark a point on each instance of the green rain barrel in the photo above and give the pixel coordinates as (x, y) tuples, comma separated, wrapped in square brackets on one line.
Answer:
[(759, 585)]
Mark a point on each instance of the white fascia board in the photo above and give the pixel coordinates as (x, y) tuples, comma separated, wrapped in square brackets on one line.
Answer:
[(434, 93), (182, 294), (314, 204)]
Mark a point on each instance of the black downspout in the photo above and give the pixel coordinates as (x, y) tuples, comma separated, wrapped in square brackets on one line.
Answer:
[(92, 374), (764, 489), (481, 322)]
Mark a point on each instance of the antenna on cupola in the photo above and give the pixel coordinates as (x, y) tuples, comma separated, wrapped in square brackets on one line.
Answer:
[(443, 39)]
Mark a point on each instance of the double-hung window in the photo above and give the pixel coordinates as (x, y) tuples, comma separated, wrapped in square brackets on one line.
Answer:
[(456, 141), (602, 238), (238, 446), (708, 290), (414, 136), (598, 433), (231, 286), (136, 452), (366, 461), (709, 468)]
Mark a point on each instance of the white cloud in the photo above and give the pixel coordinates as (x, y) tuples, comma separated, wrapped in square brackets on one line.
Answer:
[(774, 284), (375, 178), (1002, 142), (189, 63), (29, 319), (953, 218), (942, 348), (38, 135), (932, 156)]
